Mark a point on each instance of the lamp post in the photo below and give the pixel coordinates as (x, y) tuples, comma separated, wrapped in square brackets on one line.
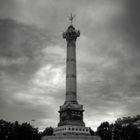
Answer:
[(33, 128)]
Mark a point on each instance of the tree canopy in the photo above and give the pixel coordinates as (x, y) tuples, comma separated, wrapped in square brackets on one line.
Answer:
[(126, 128)]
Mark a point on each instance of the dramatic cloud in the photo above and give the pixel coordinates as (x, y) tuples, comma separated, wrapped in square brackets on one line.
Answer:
[(32, 59)]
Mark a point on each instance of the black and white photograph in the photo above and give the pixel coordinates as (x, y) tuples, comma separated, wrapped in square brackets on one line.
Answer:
[(69, 70)]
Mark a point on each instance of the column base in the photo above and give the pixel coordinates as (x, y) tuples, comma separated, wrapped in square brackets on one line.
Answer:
[(70, 137), (71, 114), (71, 130)]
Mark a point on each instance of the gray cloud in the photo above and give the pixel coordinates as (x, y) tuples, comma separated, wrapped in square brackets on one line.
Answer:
[(20, 47), (32, 58), (20, 54)]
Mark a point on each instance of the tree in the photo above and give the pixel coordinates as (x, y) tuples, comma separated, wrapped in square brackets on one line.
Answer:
[(126, 128), (16, 131), (104, 131), (91, 132), (117, 131), (48, 131), (131, 132), (5, 129)]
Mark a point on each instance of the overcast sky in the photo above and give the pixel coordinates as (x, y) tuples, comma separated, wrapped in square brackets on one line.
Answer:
[(32, 59)]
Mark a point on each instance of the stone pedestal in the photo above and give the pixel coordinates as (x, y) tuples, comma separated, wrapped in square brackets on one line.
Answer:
[(70, 137)]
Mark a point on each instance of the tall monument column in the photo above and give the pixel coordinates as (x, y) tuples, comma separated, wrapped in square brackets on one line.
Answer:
[(71, 85), (71, 113), (71, 125)]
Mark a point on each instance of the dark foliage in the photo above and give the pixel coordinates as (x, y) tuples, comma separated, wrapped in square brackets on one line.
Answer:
[(48, 131), (24, 131), (126, 128), (92, 132), (104, 131)]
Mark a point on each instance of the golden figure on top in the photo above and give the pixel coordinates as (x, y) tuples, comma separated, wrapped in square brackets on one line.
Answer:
[(71, 17)]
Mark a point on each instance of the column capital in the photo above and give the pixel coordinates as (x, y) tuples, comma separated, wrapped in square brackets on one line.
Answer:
[(71, 34)]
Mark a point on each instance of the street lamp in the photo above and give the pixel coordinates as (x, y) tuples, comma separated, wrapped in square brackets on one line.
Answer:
[(33, 129)]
